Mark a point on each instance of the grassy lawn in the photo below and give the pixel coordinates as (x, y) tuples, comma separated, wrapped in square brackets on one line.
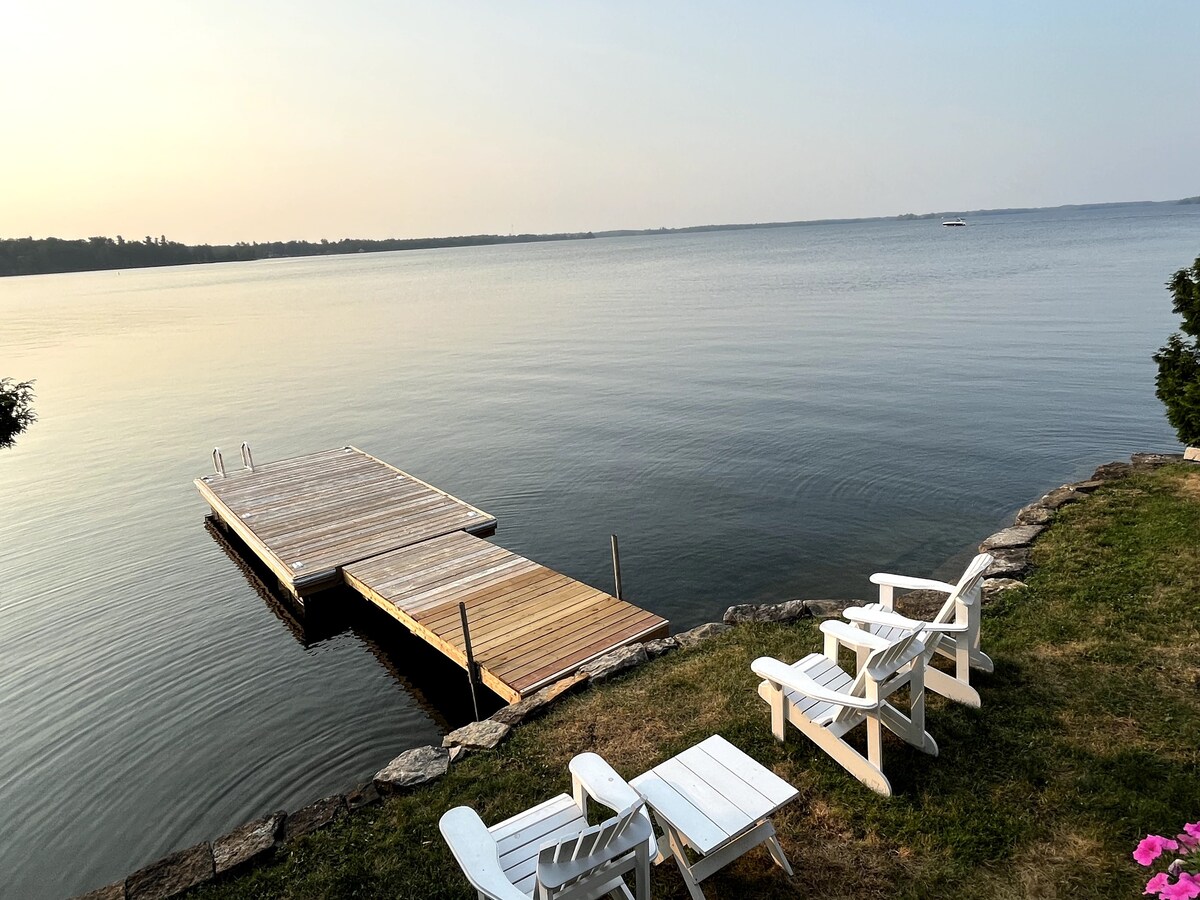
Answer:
[(1089, 737)]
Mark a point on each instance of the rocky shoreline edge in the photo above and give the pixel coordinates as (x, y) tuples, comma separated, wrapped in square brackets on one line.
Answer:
[(256, 842)]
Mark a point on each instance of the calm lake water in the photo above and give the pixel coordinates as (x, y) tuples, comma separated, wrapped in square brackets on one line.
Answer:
[(759, 415)]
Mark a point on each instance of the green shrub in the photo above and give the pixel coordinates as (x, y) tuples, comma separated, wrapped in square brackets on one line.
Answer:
[(1178, 381)]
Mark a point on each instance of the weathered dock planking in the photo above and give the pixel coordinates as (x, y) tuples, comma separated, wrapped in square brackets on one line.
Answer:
[(342, 516), (529, 624), (309, 516)]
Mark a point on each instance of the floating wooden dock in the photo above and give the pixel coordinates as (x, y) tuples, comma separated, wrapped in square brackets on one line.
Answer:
[(529, 624), (342, 516)]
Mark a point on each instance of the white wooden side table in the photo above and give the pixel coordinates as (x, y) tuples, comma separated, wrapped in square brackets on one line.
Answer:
[(716, 800)]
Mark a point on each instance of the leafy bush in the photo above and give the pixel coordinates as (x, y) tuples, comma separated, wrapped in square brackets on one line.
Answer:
[(16, 410), (1178, 381)]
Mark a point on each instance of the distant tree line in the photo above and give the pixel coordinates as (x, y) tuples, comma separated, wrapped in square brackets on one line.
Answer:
[(42, 256)]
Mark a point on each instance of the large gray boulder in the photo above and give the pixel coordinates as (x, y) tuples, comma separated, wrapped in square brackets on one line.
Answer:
[(700, 634), (1060, 497), (659, 646), (830, 609), (247, 845), (483, 735), (788, 611), (1010, 563), (172, 875), (1016, 536), (1143, 461), (1112, 471), (411, 768), (615, 662), (1033, 514)]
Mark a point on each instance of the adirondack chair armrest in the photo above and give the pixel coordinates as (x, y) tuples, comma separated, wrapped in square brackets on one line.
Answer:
[(850, 636), (600, 781), (905, 583), (475, 851), (895, 620), (782, 674)]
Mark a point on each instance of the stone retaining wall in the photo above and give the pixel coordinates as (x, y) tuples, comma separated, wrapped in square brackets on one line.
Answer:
[(258, 841)]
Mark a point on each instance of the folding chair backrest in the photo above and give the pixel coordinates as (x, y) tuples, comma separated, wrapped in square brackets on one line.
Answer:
[(573, 859)]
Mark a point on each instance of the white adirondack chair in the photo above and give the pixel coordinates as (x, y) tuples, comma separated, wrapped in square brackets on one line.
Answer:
[(953, 632), (550, 852), (825, 703)]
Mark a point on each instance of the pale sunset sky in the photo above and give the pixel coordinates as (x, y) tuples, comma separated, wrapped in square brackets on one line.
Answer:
[(224, 121)]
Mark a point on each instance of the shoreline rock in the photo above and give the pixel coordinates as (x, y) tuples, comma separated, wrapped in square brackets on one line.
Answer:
[(172, 875), (412, 768)]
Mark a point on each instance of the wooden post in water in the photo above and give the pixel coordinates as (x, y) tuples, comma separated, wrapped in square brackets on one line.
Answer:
[(472, 675), (616, 567)]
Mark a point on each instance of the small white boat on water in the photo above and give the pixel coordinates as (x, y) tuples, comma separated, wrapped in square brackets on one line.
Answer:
[(951, 223)]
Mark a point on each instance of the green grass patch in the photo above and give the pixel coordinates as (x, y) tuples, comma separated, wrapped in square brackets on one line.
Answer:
[(1088, 738)]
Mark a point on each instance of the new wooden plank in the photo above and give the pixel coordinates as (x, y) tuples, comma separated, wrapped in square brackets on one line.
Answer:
[(558, 668), (563, 597), (562, 658), (546, 591)]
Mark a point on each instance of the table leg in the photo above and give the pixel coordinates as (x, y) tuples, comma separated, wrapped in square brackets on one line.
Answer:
[(675, 843)]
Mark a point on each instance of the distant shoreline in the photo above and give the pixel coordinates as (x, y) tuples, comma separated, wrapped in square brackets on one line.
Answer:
[(52, 256)]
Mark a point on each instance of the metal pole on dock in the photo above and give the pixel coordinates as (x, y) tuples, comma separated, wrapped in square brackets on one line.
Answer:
[(471, 671), (616, 566)]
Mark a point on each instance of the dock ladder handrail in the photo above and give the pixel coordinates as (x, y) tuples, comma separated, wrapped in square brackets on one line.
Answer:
[(218, 461), (247, 459)]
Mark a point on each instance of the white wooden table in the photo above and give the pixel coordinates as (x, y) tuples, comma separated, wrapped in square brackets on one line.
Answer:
[(718, 801)]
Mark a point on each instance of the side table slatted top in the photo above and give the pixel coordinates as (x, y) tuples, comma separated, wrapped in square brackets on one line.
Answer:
[(713, 792)]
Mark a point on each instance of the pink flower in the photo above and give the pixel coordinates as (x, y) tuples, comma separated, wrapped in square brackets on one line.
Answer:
[(1152, 846), (1156, 884), (1191, 834), (1186, 888)]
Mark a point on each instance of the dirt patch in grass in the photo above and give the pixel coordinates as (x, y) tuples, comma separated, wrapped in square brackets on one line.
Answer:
[(1189, 485)]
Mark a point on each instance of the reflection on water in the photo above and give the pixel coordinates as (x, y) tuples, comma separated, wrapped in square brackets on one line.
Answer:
[(434, 683), (758, 415)]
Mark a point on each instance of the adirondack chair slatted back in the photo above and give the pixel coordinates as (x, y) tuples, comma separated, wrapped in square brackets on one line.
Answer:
[(885, 662), (591, 848), (966, 591)]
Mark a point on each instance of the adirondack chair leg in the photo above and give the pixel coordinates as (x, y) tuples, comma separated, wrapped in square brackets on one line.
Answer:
[(831, 647), (778, 713), (901, 725), (951, 688), (580, 796), (846, 756), (981, 661), (641, 875)]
